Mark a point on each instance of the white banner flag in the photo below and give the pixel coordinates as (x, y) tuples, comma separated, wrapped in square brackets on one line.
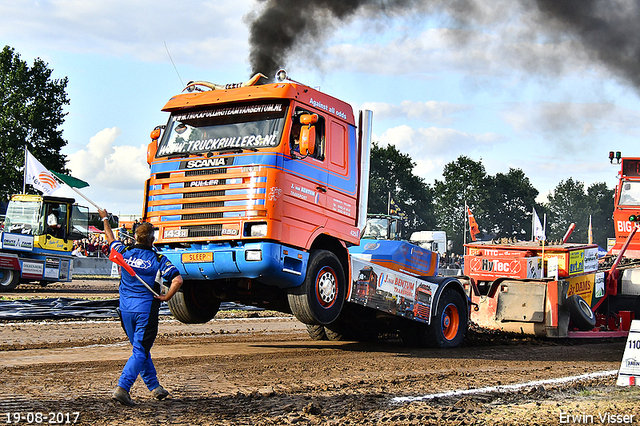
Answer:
[(38, 176), (538, 230)]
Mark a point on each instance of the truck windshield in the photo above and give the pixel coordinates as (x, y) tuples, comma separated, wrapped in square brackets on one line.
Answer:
[(376, 229), (231, 127), (23, 217), (630, 193)]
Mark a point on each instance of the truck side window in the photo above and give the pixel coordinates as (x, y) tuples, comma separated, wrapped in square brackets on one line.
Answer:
[(296, 126)]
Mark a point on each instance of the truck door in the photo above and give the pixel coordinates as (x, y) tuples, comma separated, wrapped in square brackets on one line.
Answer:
[(305, 178), (79, 222), (341, 178)]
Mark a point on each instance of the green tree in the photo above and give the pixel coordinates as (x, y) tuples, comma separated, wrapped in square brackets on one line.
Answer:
[(508, 206), (464, 180), (600, 201), (570, 203), (392, 173), (567, 204), (31, 115)]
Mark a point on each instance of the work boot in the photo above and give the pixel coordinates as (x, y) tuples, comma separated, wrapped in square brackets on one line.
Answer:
[(159, 393), (122, 396)]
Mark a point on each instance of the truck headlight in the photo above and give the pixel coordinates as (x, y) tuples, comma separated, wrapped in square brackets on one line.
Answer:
[(258, 230), (253, 255)]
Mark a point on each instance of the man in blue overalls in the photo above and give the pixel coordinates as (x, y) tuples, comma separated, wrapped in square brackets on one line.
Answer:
[(139, 307)]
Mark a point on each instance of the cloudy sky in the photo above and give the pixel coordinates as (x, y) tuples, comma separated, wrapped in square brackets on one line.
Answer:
[(490, 79)]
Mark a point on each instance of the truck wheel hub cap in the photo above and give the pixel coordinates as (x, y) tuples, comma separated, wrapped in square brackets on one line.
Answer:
[(326, 289)]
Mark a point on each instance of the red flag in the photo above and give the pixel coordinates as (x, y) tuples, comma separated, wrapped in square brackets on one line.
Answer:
[(473, 225), (117, 258)]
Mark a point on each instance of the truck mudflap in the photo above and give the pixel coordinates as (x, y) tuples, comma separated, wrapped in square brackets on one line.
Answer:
[(271, 263)]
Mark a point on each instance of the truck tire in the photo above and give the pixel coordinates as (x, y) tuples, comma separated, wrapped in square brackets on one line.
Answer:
[(316, 332), (449, 325), (581, 315), (319, 299), (191, 304), (9, 279)]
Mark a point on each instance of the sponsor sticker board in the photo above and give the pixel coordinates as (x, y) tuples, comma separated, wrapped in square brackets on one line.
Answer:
[(17, 242), (629, 373), (32, 269), (489, 268), (582, 286), (391, 291)]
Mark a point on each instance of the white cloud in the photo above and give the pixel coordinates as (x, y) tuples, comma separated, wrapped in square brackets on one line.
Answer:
[(116, 174), (488, 52), (196, 33), (431, 148), (441, 113)]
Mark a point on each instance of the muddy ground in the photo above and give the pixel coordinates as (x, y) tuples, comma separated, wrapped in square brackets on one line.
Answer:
[(262, 369)]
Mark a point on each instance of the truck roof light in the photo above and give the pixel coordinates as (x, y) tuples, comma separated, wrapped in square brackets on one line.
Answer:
[(281, 75)]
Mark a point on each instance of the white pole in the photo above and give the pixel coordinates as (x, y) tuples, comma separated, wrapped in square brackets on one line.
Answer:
[(84, 196), (466, 216), (533, 223), (24, 179)]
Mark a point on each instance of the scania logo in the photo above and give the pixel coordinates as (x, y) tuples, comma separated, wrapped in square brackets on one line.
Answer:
[(208, 162)]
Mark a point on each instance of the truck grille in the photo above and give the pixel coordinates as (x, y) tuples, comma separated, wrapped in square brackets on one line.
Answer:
[(203, 194), (198, 216), (203, 205), (204, 230), (204, 172)]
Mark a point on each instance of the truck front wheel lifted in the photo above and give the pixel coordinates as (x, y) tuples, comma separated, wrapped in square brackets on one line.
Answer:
[(320, 298), (9, 279), (193, 304)]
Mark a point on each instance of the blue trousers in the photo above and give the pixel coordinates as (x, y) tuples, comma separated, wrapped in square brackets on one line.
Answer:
[(141, 329)]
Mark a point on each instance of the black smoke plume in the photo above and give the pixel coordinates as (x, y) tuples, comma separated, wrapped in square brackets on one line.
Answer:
[(284, 24), (608, 30)]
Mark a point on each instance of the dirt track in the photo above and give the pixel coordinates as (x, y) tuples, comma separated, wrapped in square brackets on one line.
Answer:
[(266, 371)]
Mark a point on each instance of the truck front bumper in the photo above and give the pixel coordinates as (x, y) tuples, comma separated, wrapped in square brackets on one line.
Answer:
[(270, 263)]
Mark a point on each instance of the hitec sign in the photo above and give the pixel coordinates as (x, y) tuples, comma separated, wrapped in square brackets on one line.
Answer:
[(491, 268)]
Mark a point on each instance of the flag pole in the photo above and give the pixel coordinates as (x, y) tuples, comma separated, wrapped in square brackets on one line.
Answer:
[(544, 240), (389, 204), (466, 217), (24, 177), (533, 223), (85, 197)]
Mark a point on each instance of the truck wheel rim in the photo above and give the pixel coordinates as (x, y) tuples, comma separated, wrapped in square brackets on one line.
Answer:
[(450, 322), (326, 287), (5, 278)]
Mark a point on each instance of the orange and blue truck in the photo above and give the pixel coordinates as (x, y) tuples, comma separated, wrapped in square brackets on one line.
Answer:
[(258, 194)]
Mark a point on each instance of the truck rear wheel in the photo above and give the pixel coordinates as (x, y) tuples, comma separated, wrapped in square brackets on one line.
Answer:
[(449, 325), (193, 305), (320, 298), (581, 314), (316, 332), (9, 279)]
